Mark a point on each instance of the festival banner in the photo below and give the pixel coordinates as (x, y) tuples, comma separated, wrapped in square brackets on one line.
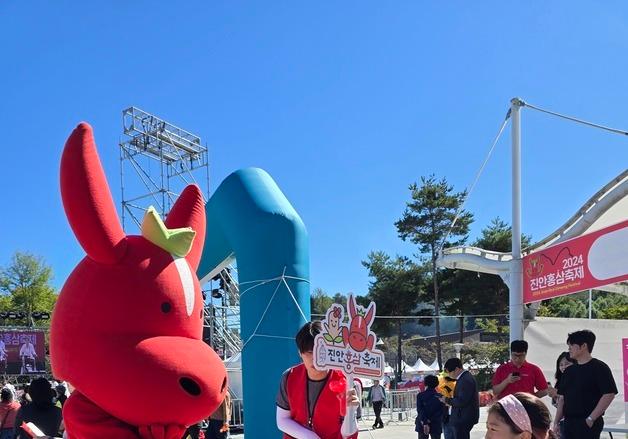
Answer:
[(22, 352), (589, 261), (349, 347)]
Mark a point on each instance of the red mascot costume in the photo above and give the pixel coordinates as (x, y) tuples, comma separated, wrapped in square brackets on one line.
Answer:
[(126, 330)]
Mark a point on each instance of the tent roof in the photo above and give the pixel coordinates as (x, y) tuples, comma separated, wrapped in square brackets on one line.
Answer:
[(407, 368), (420, 366)]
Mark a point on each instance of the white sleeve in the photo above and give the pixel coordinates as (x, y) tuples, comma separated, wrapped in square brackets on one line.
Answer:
[(286, 424)]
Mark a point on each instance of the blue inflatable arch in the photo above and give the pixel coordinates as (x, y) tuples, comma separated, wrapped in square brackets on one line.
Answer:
[(250, 219)]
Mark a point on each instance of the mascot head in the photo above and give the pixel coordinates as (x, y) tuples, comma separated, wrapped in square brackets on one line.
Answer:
[(126, 330)]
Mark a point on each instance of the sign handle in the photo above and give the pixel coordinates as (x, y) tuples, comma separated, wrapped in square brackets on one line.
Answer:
[(350, 423)]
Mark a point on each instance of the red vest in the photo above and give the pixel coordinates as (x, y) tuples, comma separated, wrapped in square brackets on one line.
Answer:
[(326, 419)]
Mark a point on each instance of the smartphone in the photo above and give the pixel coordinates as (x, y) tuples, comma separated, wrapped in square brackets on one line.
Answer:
[(515, 374)]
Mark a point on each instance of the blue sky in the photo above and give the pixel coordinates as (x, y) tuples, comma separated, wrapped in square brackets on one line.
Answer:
[(343, 103)]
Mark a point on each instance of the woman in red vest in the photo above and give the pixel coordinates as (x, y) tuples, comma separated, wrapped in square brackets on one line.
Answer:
[(308, 407)]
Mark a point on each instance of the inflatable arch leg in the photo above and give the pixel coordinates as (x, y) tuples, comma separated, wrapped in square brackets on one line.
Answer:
[(249, 218)]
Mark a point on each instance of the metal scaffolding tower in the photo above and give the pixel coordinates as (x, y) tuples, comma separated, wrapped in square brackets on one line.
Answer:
[(222, 314), (164, 158)]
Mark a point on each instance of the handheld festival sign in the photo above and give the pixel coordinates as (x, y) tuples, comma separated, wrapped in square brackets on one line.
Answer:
[(350, 347)]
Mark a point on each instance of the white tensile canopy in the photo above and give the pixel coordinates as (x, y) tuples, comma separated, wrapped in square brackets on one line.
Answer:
[(407, 369), (421, 367)]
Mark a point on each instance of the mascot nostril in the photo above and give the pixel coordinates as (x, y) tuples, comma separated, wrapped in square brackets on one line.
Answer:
[(224, 385), (190, 386)]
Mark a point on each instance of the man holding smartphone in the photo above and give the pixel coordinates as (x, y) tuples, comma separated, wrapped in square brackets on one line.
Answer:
[(518, 375)]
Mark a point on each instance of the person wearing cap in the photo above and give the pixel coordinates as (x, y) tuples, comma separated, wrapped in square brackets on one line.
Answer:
[(521, 416)]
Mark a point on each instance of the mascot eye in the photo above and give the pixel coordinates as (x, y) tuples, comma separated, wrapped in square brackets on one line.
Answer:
[(166, 307)]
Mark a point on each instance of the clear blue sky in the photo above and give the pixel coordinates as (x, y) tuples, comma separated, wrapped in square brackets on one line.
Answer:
[(343, 103)]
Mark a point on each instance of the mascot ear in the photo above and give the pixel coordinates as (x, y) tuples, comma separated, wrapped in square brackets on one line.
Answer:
[(87, 200), (351, 306), (189, 211)]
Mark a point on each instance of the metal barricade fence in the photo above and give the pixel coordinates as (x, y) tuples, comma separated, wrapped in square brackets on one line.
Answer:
[(237, 414), (400, 406)]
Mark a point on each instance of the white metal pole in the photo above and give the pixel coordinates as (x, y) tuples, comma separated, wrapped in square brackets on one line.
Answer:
[(516, 270), (590, 303)]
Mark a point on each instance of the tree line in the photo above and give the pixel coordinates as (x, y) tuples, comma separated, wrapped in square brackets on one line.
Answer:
[(25, 291), (400, 285), (414, 286)]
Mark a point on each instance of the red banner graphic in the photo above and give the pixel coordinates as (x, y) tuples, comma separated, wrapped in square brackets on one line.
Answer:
[(22, 352), (589, 261)]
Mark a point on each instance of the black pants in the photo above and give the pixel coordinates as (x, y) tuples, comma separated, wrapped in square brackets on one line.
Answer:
[(462, 431), (377, 408), (213, 430), (434, 434), (577, 428)]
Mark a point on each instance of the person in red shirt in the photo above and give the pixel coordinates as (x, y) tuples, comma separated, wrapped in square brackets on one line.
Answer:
[(308, 405), (518, 375), (8, 411)]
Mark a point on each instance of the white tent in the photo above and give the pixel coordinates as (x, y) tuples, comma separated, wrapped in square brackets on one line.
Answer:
[(233, 365), (421, 367), (434, 365), (388, 369), (407, 369)]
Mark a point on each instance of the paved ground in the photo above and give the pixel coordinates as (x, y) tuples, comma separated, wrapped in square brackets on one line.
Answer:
[(402, 430), (405, 429)]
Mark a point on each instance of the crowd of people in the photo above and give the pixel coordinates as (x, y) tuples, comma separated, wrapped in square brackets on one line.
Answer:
[(309, 406), (41, 403), (583, 389), (449, 406)]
